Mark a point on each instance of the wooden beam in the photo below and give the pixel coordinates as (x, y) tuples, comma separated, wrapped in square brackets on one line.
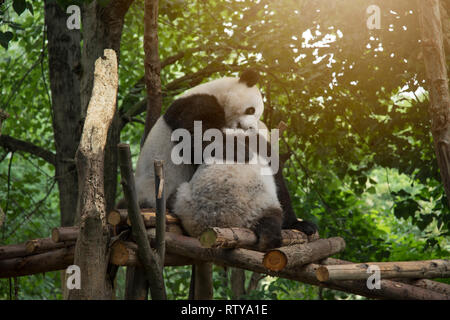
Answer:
[(301, 254), (61, 234), (244, 238), (39, 263), (388, 270), (120, 217)]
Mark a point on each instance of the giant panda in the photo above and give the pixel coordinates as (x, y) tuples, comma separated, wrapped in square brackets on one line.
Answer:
[(222, 103), (232, 195)]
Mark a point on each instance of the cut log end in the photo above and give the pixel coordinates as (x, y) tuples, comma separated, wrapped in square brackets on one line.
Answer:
[(322, 274), (119, 254), (114, 218), (31, 246), (208, 238), (275, 260), (55, 234)]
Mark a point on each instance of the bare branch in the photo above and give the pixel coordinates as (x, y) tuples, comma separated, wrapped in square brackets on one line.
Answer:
[(13, 144)]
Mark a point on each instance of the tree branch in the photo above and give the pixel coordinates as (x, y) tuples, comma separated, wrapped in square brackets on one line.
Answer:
[(13, 144)]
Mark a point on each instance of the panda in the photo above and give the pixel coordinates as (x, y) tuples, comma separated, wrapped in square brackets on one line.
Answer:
[(232, 195), (222, 103)]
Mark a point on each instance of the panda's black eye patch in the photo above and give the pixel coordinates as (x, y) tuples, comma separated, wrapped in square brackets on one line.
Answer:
[(250, 110)]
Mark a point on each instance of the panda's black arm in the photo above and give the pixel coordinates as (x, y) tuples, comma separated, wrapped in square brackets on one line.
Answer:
[(289, 218)]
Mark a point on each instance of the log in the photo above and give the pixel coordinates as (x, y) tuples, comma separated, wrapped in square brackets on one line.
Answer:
[(117, 217), (124, 253), (62, 234), (68, 234), (435, 286), (149, 216), (13, 251), (388, 270), (31, 247), (39, 263), (120, 217), (150, 260), (301, 254), (252, 260), (244, 238)]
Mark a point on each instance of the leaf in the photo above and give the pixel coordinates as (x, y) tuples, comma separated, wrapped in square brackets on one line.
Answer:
[(406, 208), (19, 6), (30, 8), (5, 37)]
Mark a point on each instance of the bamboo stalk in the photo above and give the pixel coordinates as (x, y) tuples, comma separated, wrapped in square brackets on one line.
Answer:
[(301, 254), (244, 238), (150, 260), (388, 270)]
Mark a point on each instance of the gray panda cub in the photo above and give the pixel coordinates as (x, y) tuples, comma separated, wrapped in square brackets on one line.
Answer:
[(231, 195)]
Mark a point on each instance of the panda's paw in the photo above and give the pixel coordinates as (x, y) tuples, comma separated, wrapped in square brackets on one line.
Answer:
[(307, 227), (268, 230), (268, 241)]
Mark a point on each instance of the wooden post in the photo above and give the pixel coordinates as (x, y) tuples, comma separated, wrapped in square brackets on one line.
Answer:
[(91, 250), (437, 81), (160, 210), (150, 260), (388, 270)]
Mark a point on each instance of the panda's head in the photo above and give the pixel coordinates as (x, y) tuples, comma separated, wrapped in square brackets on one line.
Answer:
[(240, 98)]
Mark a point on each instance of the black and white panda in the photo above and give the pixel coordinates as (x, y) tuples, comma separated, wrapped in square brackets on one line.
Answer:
[(232, 195), (222, 103)]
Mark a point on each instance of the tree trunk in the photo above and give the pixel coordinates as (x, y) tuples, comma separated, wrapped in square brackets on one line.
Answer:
[(437, 81), (91, 251), (64, 60), (152, 66), (102, 29)]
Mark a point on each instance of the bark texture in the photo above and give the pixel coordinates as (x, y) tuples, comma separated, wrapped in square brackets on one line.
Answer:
[(152, 65), (64, 60), (437, 81), (91, 251)]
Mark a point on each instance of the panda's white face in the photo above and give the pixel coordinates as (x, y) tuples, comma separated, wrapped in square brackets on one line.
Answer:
[(243, 105)]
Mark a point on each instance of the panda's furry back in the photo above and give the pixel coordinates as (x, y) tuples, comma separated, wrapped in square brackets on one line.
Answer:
[(225, 195)]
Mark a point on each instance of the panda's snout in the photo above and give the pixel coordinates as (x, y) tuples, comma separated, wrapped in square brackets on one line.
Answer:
[(246, 127)]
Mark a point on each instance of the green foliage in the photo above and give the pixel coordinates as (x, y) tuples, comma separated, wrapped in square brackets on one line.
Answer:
[(361, 162)]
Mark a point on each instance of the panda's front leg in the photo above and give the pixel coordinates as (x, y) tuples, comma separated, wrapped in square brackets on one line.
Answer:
[(268, 229)]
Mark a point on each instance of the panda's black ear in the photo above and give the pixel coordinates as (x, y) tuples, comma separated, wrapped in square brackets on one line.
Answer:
[(250, 77)]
